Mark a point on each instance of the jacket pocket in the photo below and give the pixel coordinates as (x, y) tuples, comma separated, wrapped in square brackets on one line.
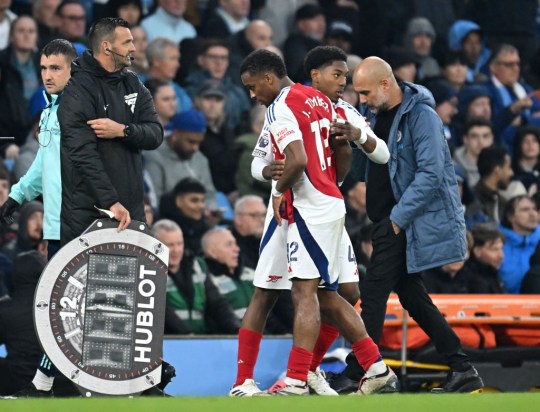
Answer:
[(429, 227)]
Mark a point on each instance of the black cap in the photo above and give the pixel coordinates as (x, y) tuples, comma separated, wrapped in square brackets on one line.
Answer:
[(340, 28), (441, 92), (398, 57), (211, 87)]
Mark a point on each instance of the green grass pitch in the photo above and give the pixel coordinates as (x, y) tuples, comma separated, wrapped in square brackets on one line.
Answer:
[(487, 402)]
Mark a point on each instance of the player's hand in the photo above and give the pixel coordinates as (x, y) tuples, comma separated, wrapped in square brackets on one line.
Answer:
[(7, 209), (396, 228), (122, 215), (276, 204), (343, 130), (276, 168), (105, 128)]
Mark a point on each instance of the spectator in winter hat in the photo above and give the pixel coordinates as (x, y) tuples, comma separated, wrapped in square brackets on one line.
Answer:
[(179, 156)]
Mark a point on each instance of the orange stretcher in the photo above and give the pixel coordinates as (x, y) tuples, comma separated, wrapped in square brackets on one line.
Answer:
[(512, 310), (474, 309)]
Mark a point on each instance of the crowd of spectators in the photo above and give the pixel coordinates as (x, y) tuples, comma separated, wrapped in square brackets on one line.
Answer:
[(480, 60)]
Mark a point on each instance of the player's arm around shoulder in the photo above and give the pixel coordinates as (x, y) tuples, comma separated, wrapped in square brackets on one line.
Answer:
[(356, 129)]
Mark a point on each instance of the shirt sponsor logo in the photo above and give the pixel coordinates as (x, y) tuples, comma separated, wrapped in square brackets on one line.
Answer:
[(283, 133)]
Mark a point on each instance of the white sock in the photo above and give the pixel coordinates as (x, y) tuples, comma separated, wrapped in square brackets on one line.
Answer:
[(294, 382), (43, 382), (376, 369)]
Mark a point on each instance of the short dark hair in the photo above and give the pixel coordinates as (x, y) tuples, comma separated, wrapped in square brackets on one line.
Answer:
[(510, 209), (64, 3), (486, 233), (499, 49), (188, 185), (209, 43), (153, 85), (323, 56), (477, 122), (263, 61), (60, 47), (489, 158), (114, 5), (104, 29), (521, 132), (452, 57)]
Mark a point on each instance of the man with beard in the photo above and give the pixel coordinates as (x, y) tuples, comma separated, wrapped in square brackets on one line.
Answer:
[(414, 205), (107, 118), (180, 156), (495, 169)]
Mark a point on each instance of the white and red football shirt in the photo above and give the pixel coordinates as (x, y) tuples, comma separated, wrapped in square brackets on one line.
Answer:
[(349, 113), (303, 113)]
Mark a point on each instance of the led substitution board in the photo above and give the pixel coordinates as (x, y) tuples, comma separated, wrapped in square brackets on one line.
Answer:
[(99, 309)]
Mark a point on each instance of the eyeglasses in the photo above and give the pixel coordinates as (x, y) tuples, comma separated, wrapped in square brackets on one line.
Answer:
[(509, 65), (254, 215), (74, 18)]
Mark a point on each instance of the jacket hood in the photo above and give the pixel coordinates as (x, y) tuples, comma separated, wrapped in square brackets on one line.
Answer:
[(459, 30), (86, 62), (26, 272), (217, 268), (414, 94), (23, 239)]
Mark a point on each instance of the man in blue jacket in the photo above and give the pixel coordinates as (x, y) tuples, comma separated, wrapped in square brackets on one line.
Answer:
[(414, 204), (522, 234)]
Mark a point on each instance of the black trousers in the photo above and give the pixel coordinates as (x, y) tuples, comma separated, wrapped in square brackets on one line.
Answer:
[(387, 272)]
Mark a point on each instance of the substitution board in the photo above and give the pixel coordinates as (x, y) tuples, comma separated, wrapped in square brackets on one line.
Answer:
[(99, 309)]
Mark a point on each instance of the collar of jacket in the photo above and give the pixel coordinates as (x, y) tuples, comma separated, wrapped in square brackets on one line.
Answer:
[(217, 269), (51, 99), (87, 62), (515, 239), (485, 192), (482, 269)]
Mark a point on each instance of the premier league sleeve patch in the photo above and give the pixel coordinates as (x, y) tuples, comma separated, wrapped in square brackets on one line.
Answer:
[(99, 309)]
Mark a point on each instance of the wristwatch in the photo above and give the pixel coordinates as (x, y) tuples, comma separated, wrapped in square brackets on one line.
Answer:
[(127, 131)]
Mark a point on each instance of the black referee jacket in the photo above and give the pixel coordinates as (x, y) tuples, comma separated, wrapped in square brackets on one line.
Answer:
[(101, 172)]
